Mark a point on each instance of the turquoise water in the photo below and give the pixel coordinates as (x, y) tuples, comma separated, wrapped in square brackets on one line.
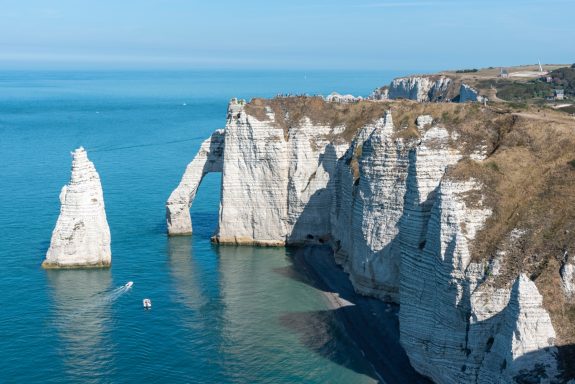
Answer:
[(217, 311)]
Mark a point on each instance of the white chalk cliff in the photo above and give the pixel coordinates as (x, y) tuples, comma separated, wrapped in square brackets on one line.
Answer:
[(568, 275), (398, 223), (419, 88), (427, 88), (469, 94), (81, 237), (208, 159)]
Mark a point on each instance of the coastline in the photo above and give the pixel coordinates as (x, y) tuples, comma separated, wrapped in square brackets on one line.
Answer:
[(370, 323)]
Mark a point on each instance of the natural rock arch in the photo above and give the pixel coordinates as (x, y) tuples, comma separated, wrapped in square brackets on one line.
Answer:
[(208, 159)]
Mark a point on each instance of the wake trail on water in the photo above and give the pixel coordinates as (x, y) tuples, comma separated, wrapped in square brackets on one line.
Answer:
[(99, 300)]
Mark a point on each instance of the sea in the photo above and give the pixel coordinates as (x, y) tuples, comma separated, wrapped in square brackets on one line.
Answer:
[(218, 312)]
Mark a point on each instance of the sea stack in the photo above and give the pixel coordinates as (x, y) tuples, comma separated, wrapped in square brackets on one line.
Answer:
[(81, 238)]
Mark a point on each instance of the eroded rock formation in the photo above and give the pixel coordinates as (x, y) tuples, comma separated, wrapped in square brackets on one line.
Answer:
[(81, 237), (469, 94), (568, 275), (434, 88), (208, 159), (401, 201), (418, 88)]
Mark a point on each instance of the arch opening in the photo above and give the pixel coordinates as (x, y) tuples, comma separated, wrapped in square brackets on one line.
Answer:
[(209, 159)]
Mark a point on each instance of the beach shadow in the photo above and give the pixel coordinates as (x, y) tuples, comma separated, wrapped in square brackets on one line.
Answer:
[(323, 333), (362, 335)]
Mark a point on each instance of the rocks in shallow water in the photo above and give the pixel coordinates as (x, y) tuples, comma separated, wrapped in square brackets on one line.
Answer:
[(81, 237)]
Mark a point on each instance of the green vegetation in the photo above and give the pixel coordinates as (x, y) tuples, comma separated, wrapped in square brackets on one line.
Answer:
[(564, 78), (516, 91), (530, 90), (467, 70), (493, 166)]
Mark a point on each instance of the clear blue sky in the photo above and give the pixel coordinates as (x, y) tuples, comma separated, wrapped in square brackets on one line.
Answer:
[(298, 34)]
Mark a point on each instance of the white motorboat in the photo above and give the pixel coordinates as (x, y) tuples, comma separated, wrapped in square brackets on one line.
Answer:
[(147, 303), (129, 284)]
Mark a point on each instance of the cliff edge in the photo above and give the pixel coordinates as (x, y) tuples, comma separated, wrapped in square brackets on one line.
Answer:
[(461, 213)]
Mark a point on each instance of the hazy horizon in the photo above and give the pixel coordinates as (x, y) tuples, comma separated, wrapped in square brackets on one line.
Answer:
[(300, 35)]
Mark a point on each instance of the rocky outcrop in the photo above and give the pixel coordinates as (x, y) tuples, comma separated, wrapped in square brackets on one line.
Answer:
[(276, 185), (399, 223), (208, 159), (432, 88), (81, 237), (567, 273), (457, 327), (469, 94), (518, 340), (337, 98), (420, 88), (381, 93)]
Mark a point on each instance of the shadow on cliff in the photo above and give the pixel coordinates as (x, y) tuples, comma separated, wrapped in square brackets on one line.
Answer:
[(312, 224), (487, 344), (366, 329), (567, 361), (565, 357)]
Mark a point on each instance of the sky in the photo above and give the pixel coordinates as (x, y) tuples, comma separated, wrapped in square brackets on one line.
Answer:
[(295, 34)]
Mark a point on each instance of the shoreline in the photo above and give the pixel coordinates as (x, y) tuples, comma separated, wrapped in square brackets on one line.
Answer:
[(371, 324)]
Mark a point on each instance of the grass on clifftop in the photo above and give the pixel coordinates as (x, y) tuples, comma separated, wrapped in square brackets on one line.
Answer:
[(529, 183), (528, 177), (290, 111)]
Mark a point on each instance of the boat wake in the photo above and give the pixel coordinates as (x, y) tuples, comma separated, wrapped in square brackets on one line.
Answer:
[(101, 299), (110, 297)]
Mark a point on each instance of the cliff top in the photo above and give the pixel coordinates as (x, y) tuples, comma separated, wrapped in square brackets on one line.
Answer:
[(528, 175), (524, 84)]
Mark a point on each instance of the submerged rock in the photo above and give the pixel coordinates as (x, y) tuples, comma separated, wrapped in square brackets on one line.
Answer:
[(81, 237)]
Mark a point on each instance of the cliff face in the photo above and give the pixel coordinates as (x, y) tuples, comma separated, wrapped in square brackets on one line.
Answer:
[(411, 202), (467, 93), (420, 88), (434, 88), (277, 186), (81, 237)]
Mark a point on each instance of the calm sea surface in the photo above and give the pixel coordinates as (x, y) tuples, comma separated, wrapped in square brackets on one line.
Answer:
[(217, 310)]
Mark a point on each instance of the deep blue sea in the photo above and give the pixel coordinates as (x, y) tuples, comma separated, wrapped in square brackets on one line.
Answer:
[(217, 310)]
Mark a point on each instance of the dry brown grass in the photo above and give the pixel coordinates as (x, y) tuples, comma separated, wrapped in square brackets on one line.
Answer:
[(470, 120), (530, 185), (494, 72), (289, 112), (528, 177)]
